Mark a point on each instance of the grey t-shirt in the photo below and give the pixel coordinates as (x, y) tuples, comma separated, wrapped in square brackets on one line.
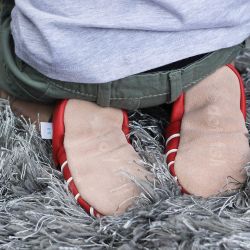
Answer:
[(96, 41)]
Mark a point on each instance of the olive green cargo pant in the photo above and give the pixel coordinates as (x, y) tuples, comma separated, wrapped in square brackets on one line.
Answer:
[(143, 90)]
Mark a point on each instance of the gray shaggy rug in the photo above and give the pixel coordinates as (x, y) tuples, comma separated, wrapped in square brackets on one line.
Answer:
[(38, 212)]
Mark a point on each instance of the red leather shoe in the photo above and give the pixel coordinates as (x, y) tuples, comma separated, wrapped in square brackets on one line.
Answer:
[(60, 157), (173, 130)]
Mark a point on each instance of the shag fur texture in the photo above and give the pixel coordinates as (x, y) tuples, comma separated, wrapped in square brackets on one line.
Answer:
[(38, 212)]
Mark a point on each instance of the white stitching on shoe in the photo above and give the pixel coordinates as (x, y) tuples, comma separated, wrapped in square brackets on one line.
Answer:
[(91, 211), (170, 164), (172, 137), (63, 165), (69, 180), (171, 151), (77, 196)]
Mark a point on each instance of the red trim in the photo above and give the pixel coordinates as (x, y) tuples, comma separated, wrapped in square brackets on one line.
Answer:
[(58, 130), (125, 125), (66, 172), (177, 114), (242, 91), (174, 127), (178, 109), (59, 154), (72, 187)]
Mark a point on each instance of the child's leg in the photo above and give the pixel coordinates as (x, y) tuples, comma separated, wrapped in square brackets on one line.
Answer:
[(35, 111), (213, 145)]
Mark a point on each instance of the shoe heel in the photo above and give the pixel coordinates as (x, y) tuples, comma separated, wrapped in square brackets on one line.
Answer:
[(242, 91), (125, 125), (58, 130)]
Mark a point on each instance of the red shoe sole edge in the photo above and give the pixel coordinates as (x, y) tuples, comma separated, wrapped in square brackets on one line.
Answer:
[(174, 127), (60, 158)]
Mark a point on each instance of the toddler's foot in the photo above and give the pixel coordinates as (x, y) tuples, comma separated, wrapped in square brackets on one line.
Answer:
[(213, 147), (99, 156)]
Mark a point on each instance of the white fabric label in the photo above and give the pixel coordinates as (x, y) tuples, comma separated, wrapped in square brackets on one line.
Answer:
[(46, 130)]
